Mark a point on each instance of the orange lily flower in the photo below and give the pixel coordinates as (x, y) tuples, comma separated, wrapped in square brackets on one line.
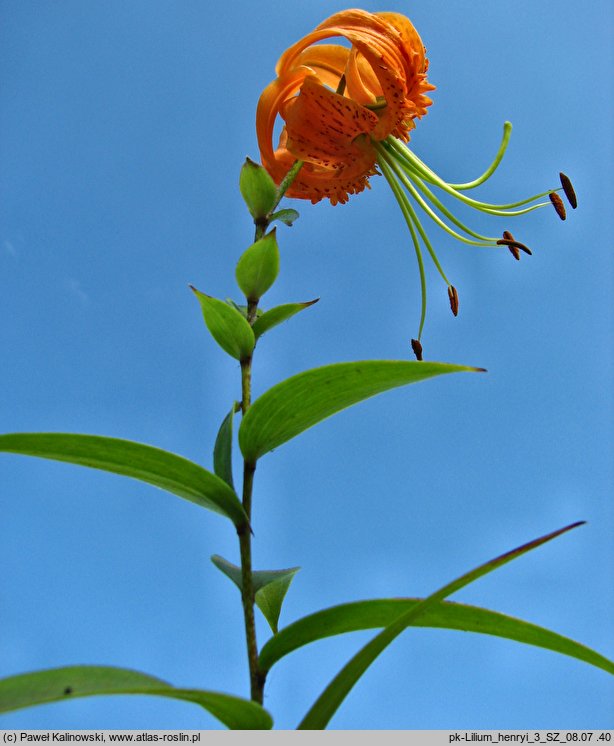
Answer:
[(348, 99), (347, 111)]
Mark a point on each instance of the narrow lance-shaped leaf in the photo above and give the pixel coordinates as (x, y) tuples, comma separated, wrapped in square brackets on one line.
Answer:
[(277, 315), (222, 451), (331, 698), (270, 587), (375, 613), (163, 469), (228, 327), (61, 684), (298, 403)]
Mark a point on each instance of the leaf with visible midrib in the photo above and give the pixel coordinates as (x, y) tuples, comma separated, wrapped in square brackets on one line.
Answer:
[(278, 315), (298, 403), (227, 325), (328, 702), (163, 469), (61, 684), (381, 612)]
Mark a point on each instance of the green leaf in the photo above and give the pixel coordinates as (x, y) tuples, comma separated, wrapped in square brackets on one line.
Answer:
[(163, 469), (60, 684), (258, 267), (298, 403), (329, 701), (285, 216), (222, 451), (277, 315), (227, 326), (360, 615), (270, 587), (270, 597), (258, 189)]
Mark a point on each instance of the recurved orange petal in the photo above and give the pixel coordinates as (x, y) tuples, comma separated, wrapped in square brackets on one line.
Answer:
[(269, 105), (332, 133), (328, 62), (322, 126)]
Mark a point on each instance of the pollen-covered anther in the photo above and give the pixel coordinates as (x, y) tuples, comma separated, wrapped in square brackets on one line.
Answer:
[(453, 296), (558, 205), (569, 190), (513, 242), (417, 348), (513, 249)]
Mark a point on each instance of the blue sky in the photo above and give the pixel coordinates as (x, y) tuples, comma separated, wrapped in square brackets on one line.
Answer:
[(122, 132)]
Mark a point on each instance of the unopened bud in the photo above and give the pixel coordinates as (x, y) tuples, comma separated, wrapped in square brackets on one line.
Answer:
[(417, 348), (569, 190), (258, 189), (558, 205), (258, 267), (453, 296)]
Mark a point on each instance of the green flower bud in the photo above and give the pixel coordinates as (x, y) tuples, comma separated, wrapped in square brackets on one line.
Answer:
[(258, 268), (258, 189)]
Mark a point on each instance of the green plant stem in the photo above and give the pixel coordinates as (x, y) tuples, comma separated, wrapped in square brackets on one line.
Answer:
[(245, 537), (247, 591), (263, 223), (256, 676)]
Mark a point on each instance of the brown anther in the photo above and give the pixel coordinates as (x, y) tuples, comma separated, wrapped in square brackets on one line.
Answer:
[(569, 190), (558, 205), (417, 348), (517, 244), (453, 296), (513, 249)]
